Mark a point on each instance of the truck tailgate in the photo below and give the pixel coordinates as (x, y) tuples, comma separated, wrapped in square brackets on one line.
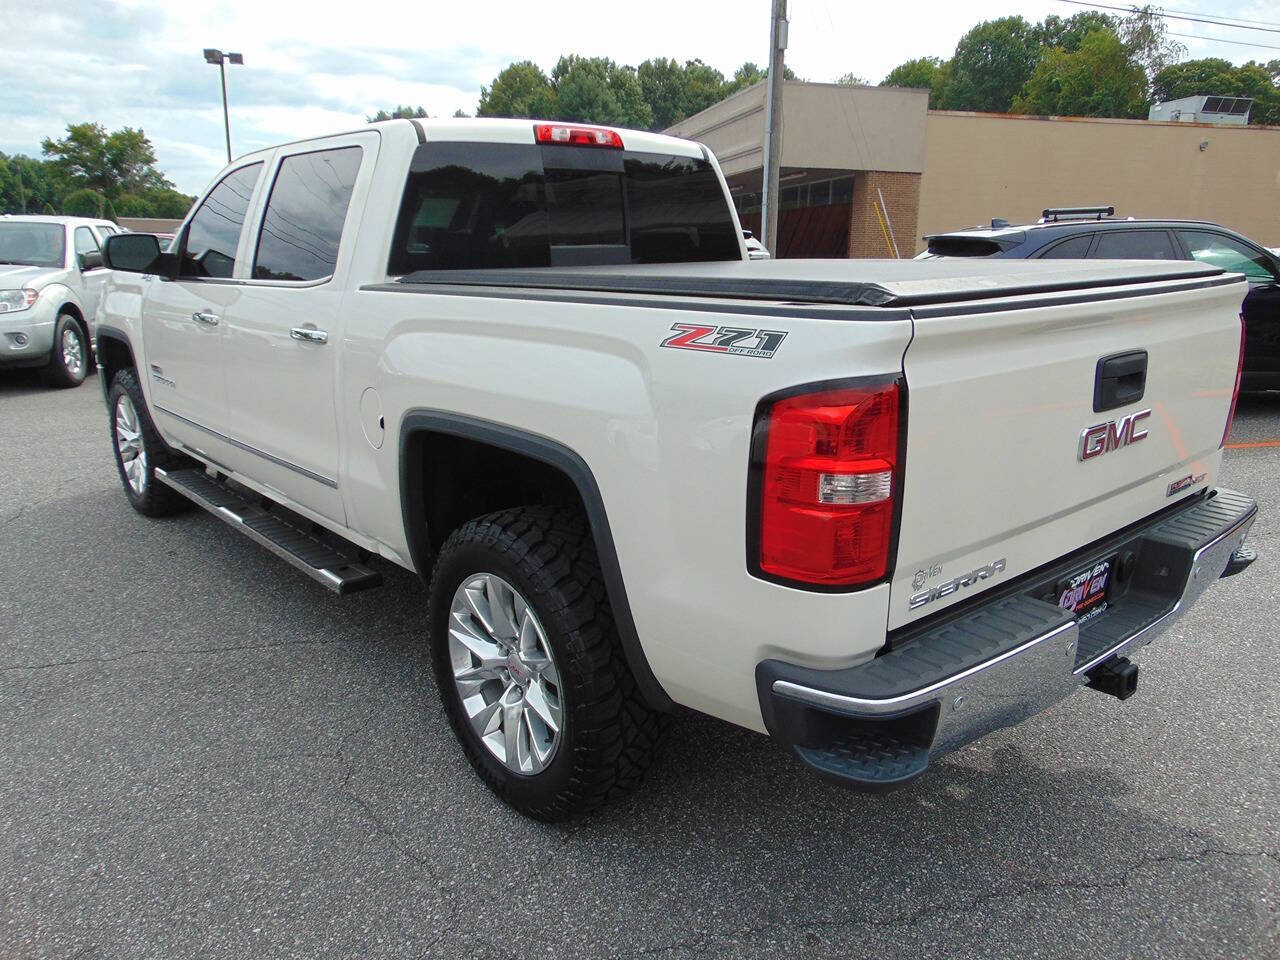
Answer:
[(1009, 466)]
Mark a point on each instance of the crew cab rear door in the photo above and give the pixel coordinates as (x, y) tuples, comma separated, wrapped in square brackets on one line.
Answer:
[(1010, 461)]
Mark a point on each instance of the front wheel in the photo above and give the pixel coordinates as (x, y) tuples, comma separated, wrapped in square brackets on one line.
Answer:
[(139, 450), (529, 665), (69, 361)]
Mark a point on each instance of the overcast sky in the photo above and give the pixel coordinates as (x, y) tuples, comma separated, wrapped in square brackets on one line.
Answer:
[(312, 68)]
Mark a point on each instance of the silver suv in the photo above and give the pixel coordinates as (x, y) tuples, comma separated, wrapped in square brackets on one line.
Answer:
[(51, 278)]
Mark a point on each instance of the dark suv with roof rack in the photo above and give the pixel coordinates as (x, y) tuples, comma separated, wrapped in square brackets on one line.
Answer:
[(1094, 233)]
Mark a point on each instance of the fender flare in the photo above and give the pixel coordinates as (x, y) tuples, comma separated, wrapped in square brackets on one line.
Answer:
[(115, 335), (112, 333), (553, 454)]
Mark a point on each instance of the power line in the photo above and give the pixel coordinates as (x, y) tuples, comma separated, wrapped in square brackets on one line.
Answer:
[(1234, 43), (1171, 16), (1263, 23)]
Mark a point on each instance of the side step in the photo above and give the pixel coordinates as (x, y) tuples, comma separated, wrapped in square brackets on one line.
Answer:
[(320, 561)]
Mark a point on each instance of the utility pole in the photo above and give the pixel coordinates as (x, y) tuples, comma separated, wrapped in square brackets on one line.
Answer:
[(222, 59), (773, 126)]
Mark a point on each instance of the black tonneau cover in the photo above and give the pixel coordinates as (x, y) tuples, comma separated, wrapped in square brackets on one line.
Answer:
[(868, 283)]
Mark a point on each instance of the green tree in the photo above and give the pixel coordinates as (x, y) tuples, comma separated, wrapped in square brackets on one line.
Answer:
[(1097, 80), (520, 90), (36, 184), (168, 204), (991, 63), (461, 114), (109, 211), (674, 92), (704, 85), (745, 76), (662, 82), (1215, 77), (929, 73), (1145, 37), (749, 74), (853, 80), (597, 90), (404, 112), (1069, 32), (132, 205), (111, 163), (11, 194), (83, 203)]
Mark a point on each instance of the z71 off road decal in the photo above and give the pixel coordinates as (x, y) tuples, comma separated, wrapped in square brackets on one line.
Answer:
[(742, 341)]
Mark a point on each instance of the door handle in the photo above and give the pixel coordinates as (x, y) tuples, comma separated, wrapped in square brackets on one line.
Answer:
[(209, 319), (309, 335)]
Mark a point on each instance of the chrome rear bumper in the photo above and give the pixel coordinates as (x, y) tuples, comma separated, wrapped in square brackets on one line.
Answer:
[(1000, 660)]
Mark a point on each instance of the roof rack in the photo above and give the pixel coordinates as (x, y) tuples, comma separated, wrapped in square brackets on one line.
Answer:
[(1054, 214)]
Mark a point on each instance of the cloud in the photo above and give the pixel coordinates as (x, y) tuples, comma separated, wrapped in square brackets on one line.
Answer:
[(312, 69)]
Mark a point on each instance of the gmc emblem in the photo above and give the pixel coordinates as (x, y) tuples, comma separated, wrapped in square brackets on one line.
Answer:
[(1105, 437)]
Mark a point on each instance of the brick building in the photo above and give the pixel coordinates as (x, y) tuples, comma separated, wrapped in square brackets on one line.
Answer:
[(867, 171)]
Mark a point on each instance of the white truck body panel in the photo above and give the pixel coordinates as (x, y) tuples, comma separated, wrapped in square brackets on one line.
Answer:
[(997, 404)]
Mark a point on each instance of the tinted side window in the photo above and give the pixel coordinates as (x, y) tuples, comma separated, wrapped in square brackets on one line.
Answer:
[(214, 233), (470, 206), (1071, 249), (1229, 254), (302, 226), (86, 242), (1135, 245)]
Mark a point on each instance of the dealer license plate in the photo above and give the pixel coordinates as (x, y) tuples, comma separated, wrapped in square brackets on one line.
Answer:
[(1085, 593)]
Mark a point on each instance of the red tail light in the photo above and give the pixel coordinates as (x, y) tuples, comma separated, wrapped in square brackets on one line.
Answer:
[(828, 479), (1235, 394), (577, 135)]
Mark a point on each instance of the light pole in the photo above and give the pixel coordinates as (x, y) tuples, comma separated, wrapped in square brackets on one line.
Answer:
[(222, 59)]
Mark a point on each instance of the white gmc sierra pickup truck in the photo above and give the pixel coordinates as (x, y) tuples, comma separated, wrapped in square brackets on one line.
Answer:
[(876, 509)]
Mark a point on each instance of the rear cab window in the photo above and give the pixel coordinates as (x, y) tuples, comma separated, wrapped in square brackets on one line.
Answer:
[(495, 205)]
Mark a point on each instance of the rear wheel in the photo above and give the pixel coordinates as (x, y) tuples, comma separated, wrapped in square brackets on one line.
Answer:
[(530, 668), (139, 450), (69, 361)]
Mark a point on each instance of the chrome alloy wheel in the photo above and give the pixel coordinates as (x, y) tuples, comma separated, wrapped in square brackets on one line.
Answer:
[(72, 352), (130, 446), (505, 674)]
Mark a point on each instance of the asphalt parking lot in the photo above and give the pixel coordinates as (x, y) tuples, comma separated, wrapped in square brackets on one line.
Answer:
[(207, 755)]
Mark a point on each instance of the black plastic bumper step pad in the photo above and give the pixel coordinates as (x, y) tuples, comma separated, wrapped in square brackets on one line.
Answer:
[(321, 561), (870, 759)]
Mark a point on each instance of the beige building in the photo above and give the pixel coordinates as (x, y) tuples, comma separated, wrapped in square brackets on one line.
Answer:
[(867, 171)]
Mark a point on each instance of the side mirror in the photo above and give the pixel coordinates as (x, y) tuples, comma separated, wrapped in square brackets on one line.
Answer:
[(91, 260), (136, 253)]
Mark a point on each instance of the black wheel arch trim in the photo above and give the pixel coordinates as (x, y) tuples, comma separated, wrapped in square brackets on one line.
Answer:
[(120, 337), (554, 454), (112, 333)]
